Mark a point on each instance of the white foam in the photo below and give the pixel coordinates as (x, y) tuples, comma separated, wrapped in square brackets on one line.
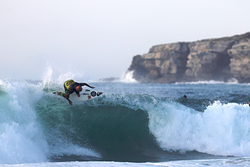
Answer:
[(128, 77), (223, 129), (21, 137), (231, 81), (71, 149), (229, 162)]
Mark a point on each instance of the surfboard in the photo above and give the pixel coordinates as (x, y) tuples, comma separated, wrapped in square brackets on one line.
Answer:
[(85, 94)]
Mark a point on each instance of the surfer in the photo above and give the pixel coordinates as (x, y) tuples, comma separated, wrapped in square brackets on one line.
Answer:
[(70, 86)]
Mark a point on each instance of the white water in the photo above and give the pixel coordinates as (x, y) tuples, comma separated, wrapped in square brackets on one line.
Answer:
[(21, 136), (223, 129), (230, 162), (128, 77)]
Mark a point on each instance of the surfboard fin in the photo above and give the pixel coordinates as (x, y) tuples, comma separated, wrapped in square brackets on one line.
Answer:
[(99, 93)]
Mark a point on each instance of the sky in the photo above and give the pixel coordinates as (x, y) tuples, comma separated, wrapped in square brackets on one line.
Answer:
[(97, 39)]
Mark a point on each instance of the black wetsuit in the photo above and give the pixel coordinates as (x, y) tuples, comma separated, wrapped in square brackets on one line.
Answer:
[(72, 88)]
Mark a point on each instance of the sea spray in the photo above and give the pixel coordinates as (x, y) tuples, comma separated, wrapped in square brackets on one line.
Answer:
[(222, 129), (21, 137), (58, 74), (23, 134), (128, 77)]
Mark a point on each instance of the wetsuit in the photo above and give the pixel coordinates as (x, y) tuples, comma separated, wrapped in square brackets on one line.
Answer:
[(70, 87)]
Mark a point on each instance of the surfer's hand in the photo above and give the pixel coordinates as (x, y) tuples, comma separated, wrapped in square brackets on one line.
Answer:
[(70, 102), (78, 95), (92, 87)]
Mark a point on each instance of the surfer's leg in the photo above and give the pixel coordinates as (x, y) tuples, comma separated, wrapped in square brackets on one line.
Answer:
[(59, 93)]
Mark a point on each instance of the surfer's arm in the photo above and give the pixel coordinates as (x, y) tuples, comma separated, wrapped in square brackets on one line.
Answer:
[(77, 93), (85, 84), (66, 96), (70, 102)]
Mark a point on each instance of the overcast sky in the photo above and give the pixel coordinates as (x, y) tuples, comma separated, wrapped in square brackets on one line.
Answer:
[(98, 38)]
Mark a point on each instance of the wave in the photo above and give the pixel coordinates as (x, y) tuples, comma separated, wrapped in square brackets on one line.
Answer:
[(20, 134), (232, 81), (222, 129), (110, 126), (128, 77), (36, 126)]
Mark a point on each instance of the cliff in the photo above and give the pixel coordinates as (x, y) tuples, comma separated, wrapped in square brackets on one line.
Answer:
[(218, 59)]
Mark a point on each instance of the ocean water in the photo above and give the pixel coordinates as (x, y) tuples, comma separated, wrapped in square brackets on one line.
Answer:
[(131, 124)]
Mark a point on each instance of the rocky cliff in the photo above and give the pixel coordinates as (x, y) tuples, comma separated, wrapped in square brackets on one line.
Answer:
[(219, 59)]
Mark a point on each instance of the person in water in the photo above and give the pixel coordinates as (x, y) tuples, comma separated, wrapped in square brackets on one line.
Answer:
[(70, 86)]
